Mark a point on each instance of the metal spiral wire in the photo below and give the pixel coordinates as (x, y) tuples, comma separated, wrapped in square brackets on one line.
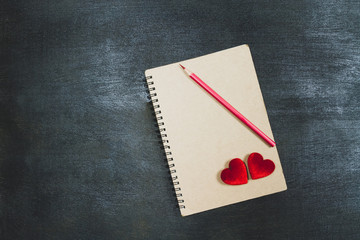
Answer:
[(162, 130)]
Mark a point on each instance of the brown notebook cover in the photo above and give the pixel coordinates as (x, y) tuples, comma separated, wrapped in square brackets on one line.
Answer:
[(201, 137)]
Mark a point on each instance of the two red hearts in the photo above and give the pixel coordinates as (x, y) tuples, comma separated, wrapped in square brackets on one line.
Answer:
[(236, 174)]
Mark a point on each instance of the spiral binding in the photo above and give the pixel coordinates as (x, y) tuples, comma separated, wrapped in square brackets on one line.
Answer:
[(164, 139)]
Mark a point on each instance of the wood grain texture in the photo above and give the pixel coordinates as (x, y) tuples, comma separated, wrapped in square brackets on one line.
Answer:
[(79, 156)]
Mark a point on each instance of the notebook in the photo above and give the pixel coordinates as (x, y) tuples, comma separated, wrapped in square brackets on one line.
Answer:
[(201, 137)]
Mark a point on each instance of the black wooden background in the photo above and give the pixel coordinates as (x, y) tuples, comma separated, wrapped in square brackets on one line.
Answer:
[(79, 156)]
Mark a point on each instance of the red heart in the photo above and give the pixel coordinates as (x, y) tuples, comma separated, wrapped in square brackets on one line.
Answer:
[(258, 167), (236, 173)]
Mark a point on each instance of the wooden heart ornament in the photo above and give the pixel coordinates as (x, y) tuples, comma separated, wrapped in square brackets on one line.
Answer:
[(236, 174), (258, 167)]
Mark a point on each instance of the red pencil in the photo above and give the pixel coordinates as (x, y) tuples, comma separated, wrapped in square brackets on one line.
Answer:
[(228, 106)]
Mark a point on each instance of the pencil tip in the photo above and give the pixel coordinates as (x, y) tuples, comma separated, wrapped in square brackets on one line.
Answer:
[(182, 66)]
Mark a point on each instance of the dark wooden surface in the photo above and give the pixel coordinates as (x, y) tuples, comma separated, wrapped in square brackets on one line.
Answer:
[(79, 156)]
